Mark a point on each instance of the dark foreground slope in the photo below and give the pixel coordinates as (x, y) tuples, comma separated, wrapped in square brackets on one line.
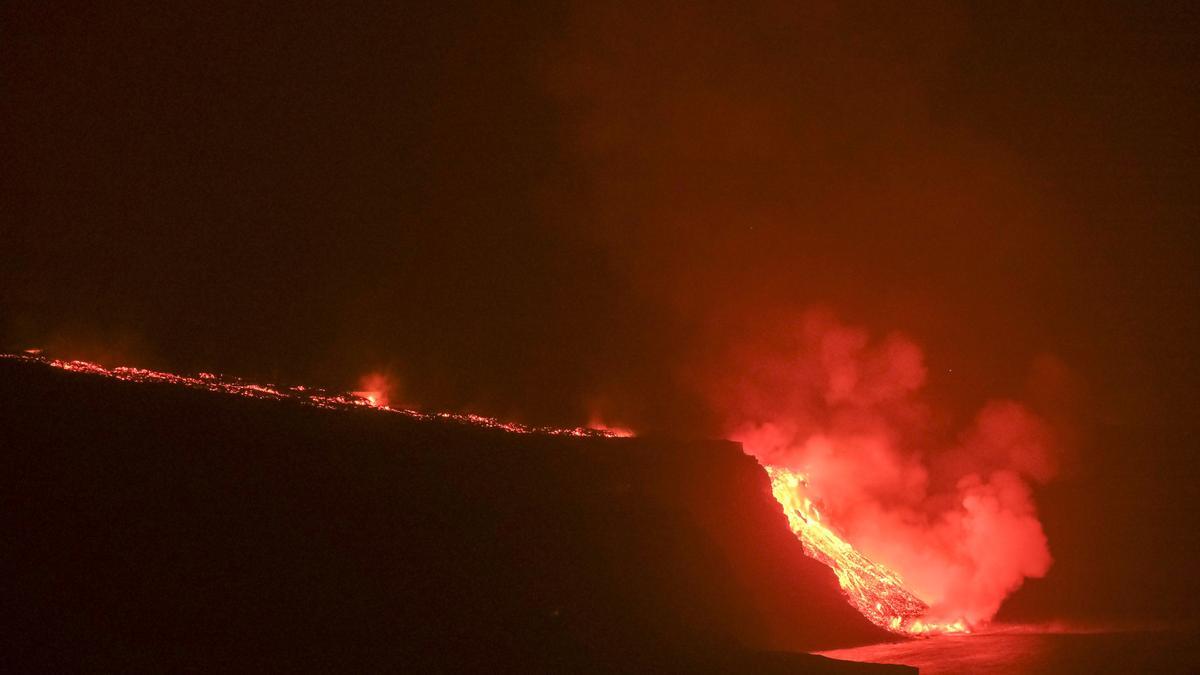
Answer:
[(151, 526)]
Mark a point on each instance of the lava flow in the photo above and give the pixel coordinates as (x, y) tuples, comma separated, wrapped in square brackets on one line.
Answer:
[(320, 398), (873, 589)]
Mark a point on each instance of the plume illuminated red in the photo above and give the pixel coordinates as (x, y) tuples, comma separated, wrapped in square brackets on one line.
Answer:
[(376, 388), (927, 532)]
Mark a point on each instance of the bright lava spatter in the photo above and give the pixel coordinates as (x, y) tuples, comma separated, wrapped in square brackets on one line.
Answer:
[(873, 589)]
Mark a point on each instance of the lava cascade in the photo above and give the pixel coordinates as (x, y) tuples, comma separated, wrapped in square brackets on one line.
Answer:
[(875, 591), (928, 525)]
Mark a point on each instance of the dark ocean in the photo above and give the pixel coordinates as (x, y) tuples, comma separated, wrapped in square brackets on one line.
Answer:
[(1021, 650)]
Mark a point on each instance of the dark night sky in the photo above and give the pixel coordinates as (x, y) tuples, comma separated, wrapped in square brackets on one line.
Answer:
[(533, 211)]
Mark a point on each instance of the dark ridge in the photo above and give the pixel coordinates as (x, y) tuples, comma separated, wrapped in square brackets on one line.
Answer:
[(160, 528)]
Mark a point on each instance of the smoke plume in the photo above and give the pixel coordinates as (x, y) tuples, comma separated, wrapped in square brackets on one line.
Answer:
[(954, 516), (744, 163)]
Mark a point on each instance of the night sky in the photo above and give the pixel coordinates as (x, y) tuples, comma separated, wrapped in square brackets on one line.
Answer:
[(544, 211)]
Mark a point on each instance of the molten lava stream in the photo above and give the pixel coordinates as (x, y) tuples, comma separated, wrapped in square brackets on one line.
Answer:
[(874, 590)]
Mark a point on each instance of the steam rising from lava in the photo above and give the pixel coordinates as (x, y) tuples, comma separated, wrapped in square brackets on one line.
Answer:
[(746, 162), (953, 518)]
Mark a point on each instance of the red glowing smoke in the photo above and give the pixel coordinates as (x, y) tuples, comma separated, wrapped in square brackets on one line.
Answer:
[(952, 513), (616, 430), (377, 388)]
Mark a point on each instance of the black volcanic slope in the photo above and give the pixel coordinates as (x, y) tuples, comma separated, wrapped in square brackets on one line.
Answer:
[(155, 527)]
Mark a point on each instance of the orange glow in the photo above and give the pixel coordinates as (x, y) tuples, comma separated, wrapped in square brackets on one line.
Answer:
[(375, 388), (874, 590), (373, 398), (595, 422), (927, 517)]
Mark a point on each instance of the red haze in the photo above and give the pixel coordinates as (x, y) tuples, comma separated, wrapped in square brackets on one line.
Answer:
[(378, 388), (952, 513)]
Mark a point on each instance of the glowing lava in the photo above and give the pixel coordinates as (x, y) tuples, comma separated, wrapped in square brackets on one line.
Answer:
[(374, 398), (874, 590), (376, 388), (595, 422)]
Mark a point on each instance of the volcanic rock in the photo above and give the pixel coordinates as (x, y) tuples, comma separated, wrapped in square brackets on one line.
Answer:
[(149, 526)]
